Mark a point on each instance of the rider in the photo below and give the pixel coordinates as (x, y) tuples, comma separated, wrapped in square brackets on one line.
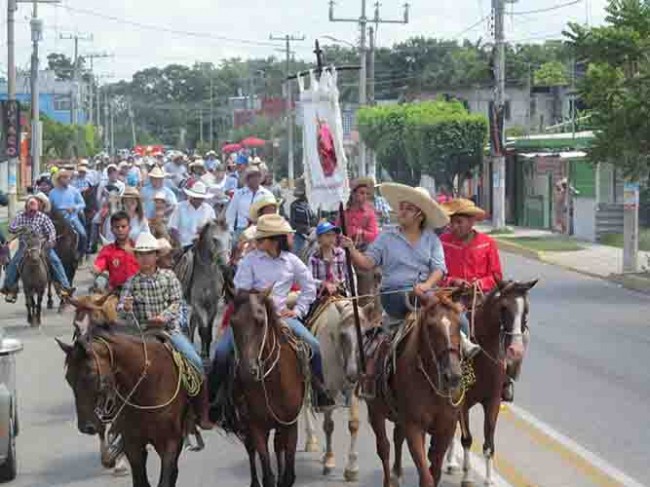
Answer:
[(272, 265), (154, 297), (68, 200), (115, 263), (360, 217), (36, 221), (191, 215), (471, 257), (156, 185), (410, 254), (237, 213), (327, 264), (301, 216), (81, 181)]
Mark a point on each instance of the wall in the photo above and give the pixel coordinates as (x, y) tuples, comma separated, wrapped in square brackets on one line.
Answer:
[(584, 218)]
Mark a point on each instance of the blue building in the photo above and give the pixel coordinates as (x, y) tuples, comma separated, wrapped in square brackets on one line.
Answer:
[(55, 96)]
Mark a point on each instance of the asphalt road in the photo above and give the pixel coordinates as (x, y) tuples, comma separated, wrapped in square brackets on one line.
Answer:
[(586, 375)]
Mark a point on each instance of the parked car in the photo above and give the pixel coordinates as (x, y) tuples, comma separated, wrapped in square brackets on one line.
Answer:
[(9, 347)]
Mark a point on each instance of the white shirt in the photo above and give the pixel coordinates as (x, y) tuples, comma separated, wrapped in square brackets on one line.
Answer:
[(188, 221), (240, 205), (102, 186)]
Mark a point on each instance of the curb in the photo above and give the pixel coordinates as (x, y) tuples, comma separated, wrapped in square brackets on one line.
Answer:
[(517, 249), (633, 281)]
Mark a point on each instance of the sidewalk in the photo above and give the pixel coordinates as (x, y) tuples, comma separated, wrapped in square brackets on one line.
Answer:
[(588, 258)]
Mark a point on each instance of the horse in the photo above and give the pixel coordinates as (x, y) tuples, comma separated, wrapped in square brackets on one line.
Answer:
[(92, 207), (269, 386), (203, 282), (501, 329), (67, 242), (133, 384), (333, 326), (418, 383), (34, 274)]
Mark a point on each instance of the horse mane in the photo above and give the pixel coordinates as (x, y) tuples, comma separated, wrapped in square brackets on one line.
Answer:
[(443, 298), (241, 298)]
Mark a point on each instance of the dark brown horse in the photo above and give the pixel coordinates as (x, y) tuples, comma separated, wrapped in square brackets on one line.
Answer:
[(134, 385), (35, 276), (418, 392), (67, 242), (501, 328), (269, 386), (92, 207)]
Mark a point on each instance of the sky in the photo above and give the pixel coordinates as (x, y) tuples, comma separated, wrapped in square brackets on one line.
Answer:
[(145, 33)]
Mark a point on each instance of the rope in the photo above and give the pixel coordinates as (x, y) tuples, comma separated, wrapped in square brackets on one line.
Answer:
[(191, 378)]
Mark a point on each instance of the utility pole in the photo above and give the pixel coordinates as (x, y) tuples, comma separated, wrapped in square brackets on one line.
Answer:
[(92, 57), (363, 73), (134, 138), (111, 107), (75, 66), (11, 92), (211, 138), (497, 139), (201, 126), (288, 39)]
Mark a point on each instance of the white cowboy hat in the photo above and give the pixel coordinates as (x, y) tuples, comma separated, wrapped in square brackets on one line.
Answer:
[(253, 213), (198, 190), (395, 193), (272, 226), (146, 243), (164, 247), (160, 195), (42, 198), (111, 166), (252, 170), (197, 163), (156, 172), (210, 153), (123, 164)]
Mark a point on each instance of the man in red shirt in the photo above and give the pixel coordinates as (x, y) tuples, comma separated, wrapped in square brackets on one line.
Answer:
[(116, 262)]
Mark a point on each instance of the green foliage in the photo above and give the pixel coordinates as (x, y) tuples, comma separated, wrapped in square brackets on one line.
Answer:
[(617, 84), (552, 73), (439, 138), (65, 141)]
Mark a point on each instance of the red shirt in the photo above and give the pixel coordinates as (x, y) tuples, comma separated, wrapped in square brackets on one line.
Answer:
[(120, 264), (477, 260), (364, 219)]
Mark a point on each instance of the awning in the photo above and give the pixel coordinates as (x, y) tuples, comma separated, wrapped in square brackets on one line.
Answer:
[(562, 155)]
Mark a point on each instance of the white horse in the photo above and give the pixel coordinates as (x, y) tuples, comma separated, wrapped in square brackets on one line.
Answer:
[(334, 328)]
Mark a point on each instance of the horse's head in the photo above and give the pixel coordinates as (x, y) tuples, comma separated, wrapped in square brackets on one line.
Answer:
[(507, 305), (253, 324), (96, 310), (214, 240), (84, 366), (34, 247), (440, 337)]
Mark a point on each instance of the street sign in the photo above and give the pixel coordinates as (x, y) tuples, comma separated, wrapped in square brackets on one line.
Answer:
[(631, 196), (11, 128)]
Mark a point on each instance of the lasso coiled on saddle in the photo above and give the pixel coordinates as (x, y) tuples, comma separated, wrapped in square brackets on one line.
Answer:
[(191, 378)]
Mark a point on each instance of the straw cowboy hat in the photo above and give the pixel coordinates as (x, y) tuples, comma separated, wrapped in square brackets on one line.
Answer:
[(111, 167), (42, 198), (357, 183), (130, 192), (198, 163), (198, 190), (272, 226), (164, 247), (156, 172), (395, 193), (146, 243), (123, 165), (256, 207), (462, 206), (251, 171), (83, 167)]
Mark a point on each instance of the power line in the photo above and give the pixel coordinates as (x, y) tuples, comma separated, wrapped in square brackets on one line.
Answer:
[(547, 9)]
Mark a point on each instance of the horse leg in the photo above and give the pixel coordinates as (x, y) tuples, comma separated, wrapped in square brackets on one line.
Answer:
[(250, 449), (39, 307), (329, 462), (169, 463), (440, 441), (137, 457), (50, 301), (398, 441), (466, 441), (351, 473), (311, 443), (451, 458), (290, 444), (415, 441), (491, 413), (29, 303), (205, 331), (279, 445), (260, 440), (378, 424), (193, 324)]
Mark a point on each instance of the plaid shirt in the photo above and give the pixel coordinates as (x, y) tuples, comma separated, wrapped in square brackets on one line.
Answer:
[(329, 271), (39, 222), (157, 295), (81, 184)]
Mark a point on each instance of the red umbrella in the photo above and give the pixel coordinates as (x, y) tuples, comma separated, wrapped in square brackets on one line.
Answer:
[(253, 142), (229, 148)]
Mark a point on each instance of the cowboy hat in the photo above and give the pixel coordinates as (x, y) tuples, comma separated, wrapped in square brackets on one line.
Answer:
[(272, 226), (210, 153), (130, 192), (123, 164), (164, 247), (198, 190), (462, 206), (111, 167), (248, 234), (256, 207), (252, 171), (197, 163), (358, 182), (42, 198), (395, 193), (156, 172), (83, 167), (146, 243), (160, 195), (59, 173)]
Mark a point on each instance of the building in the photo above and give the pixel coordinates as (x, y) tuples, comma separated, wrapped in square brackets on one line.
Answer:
[(55, 96)]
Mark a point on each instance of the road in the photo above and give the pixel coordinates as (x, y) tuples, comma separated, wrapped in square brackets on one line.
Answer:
[(585, 375)]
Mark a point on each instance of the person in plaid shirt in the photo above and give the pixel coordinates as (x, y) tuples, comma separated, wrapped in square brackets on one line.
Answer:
[(327, 264), (155, 298), (81, 181), (34, 220)]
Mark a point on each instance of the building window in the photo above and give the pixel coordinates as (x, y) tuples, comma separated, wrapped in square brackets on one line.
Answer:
[(62, 103)]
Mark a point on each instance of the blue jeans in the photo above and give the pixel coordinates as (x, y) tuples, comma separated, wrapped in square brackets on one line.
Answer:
[(79, 227), (299, 242), (58, 272), (183, 345), (395, 304), (226, 345), (464, 323)]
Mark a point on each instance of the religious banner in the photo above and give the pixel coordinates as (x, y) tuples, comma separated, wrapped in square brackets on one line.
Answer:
[(324, 160), (11, 128)]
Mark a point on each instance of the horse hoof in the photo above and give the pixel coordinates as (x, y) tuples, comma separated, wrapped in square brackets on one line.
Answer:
[(121, 468), (50, 305), (312, 446), (453, 468), (351, 475), (394, 480), (467, 483)]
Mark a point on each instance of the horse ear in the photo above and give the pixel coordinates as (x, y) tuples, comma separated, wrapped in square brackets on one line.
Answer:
[(266, 293), (67, 349), (83, 325), (371, 314), (530, 284)]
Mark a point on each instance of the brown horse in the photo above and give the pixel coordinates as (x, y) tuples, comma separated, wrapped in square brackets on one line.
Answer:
[(134, 385), (269, 384), (418, 392), (34, 274), (67, 242), (501, 330)]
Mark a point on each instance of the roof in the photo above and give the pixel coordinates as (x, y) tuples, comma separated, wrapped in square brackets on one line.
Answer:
[(554, 142)]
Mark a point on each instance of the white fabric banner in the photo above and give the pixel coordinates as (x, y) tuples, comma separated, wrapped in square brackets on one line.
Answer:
[(324, 160)]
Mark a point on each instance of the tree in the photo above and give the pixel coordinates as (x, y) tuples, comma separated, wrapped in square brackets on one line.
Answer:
[(63, 66), (551, 73)]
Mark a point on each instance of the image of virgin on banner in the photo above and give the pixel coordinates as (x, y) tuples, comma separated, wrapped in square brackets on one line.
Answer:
[(324, 160)]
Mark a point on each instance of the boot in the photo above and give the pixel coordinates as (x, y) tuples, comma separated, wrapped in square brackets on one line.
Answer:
[(508, 391), (201, 405), (469, 349), (66, 292), (322, 399)]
